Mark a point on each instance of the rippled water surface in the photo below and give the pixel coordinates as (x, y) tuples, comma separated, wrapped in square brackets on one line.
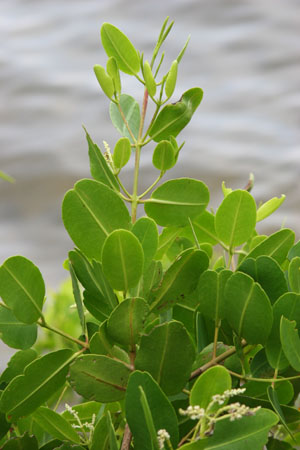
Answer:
[(244, 54)]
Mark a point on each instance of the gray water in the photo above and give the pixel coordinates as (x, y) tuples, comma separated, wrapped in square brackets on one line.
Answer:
[(245, 54)]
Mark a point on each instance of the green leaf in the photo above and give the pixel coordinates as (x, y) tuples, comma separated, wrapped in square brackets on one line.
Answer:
[(288, 305), (163, 156), (78, 299), (236, 218), (210, 293), (163, 414), (122, 259), (94, 207), (171, 79), (68, 446), (41, 379), (284, 390), (277, 444), (126, 322), (245, 433), (267, 208), (148, 419), (105, 81), (129, 110), (272, 395), (149, 79), (122, 152), (215, 380), (54, 424), (85, 412), (156, 356), (290, 342), (6, 177), (25, 442), (4, 425), (151, 278), (101, 435), (165, 241), (14, 333), (99, 168), (175, 201), (179, 280), (267, 272), (294, 274), (22, 288), (277, 246), (113, 444), (248, 309), (294, 251), (116, 44), (17, 364), (113, 71), (145, 230), (204, 227), (99, 378), (174, 117), (102, 344)]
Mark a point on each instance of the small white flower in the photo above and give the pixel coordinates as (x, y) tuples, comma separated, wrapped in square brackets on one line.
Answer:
[(194, 412), (162, 436)]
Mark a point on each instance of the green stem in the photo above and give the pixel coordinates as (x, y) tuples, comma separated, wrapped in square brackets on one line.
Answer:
[(263, 380), (123, 187), (61, 397), (217, 327), (152, 185), (126, 123), (194, 234), (43, 324)]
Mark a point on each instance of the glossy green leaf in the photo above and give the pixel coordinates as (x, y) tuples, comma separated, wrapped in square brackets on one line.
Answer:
[(156, 356), (54, 424), (248, 309), (284, 390), (165, 241), (204, 227), (22, 288), (96, 305), (294, 251), (99, 378), (163, 414), (215, 380), (174, 117), (102, 344), (148, 420), (210, 293), (290, 342), (14, 333), (130, 111), (101, 435), (122, 152), (41, 379), (179, 280), (53, 445), (113, 71), (116, 44), (288, 305), (99, 168), (294, 274), (4, 425), (122, 259), (163, 156), (126, 322), (267, 208), (94, 207), (246, 433), (113, 444), (145, 230), (272, 395), (277, 245), (171, 79), (267, 272), (236, 218), (25, 442), (175, 201), (17, 364), (260, 367), (149, 79), (151, 278), (105, 81), (78, 299)]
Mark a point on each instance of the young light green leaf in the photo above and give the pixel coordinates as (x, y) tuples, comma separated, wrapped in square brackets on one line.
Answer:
[(6, 177), (149, 79), (14, 333), (54, 424), (213, 381), (99, 378), (290, 342), (122, 152), (248, 309), (236, 218), (126, 115), (182, 52), (113, 71), (163, 418), (175, 201), (225, 189), (105, 81), (22, 288), (210, 292), (94, 207), (118, 45), (204, 227), (126, 322), (179, 280), (17, 364), (41, 379), (174, 117), (272, 395), (267, 208), (163, 156), (294, 274), (100, 170), (122, 259), (171, 79), (156, 356), (145, 230)]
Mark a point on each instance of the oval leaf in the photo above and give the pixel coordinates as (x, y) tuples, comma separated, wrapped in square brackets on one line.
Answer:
[(130, 111), (149, 79), (22, 288), (113, 71), (210, 291), (236, 218), (145, 229), (17, 364), (54, 424), (164, 156), (290, 341), (105, 81), (175, 201), (294, 274), (94, 207), (266, 209), (14, 333), (204, 227), (171, 79), (122, 152), (213, 381), (122, 259), (116, 44)]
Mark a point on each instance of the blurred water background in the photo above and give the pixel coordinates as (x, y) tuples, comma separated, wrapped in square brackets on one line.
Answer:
[(245, 54)]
